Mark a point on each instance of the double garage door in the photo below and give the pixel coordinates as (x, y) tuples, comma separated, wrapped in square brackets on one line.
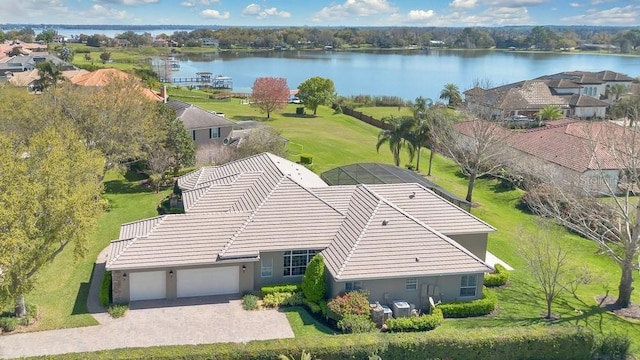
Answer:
[(190, 282)]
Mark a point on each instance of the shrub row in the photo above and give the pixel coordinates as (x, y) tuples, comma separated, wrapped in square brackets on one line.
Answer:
[(462, 309), (356, 324), (524, 343), (280, 288), (498, 278), (105, 289), (282, 299), (416, 323)]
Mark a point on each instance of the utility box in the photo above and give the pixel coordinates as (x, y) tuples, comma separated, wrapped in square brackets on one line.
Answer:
[(401, 309)]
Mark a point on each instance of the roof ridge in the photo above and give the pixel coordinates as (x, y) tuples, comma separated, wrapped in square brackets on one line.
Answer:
[(210, 186), (360, 235), (127, 246), (250, 218), (141, 220)]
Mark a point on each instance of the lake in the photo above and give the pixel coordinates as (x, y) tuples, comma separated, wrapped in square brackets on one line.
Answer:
[(407, 74)]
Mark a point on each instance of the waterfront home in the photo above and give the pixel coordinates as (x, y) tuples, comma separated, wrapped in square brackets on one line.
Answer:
[(205, 127)]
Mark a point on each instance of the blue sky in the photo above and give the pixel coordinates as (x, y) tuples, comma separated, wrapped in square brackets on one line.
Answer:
[(324, 12)]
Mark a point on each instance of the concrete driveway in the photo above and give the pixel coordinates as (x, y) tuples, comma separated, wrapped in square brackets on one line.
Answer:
[(185, 321), (201, 320)]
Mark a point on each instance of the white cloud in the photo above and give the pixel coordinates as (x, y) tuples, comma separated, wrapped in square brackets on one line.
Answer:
[(42, 11), (463, 4), (354, 8), (495, 16), (575, 5), (187, 3), (127, 2), (215, 14), (514, 3), (251, 9), (627, 15), (209, 2), (420, 15)]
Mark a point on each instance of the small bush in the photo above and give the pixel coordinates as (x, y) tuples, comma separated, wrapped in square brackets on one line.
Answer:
[(8, 324), (105, 289), (280, 288), (356, 324), (354, 302), (462, 309), (306, 159), (312, 307), (117, 310), (612, 347), (416, 323), (498, 278), (282, 299), (313, 283), (250, 302), (295, 300)]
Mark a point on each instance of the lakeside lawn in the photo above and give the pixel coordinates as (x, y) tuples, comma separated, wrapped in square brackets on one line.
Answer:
[(381, 112), (334, 140)]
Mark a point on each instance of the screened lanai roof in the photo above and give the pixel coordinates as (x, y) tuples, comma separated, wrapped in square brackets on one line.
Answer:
[(374, 173)]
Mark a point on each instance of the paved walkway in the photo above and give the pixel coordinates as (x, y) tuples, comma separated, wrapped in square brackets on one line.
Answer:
[(202, 320)]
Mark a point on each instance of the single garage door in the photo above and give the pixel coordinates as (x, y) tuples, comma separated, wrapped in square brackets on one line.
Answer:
[(147, 285), (208, 281)]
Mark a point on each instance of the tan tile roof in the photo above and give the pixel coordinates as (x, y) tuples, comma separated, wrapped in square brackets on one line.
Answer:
[(378, 240), (184, 239), (270, 164), (102, 77), (139, 228), (578, 100), (291, 217)]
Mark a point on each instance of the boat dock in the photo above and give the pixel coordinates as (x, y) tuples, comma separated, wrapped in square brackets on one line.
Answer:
[(203, 79)]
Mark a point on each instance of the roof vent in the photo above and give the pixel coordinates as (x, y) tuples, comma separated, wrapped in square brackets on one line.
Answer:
[(417, 259), (385, 222), (413, 194)]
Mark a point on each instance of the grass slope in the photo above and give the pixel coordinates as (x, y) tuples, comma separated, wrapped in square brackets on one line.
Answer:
[(63, 286)]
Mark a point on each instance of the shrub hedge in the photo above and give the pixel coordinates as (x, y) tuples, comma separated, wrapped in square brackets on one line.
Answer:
[(282, 299), (356, 324), (498, 278), (523, 343), (306, 159), (462, 309), (105, 289), (416, 323), (280, 288)]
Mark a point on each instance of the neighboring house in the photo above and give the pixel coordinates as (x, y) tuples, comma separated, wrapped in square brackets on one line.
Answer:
[(209, 42), (259, 221), (573, 152), (23, 63), (579, 94), (25, 48), (205, 127), (102, 77), (29, 79)]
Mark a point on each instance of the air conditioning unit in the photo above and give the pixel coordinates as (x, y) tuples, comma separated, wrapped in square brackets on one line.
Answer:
[(226, 141), (401, 309)]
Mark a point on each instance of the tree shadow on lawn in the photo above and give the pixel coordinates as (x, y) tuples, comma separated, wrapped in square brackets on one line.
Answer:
[(247, 118), (124, 187), (293, 115)]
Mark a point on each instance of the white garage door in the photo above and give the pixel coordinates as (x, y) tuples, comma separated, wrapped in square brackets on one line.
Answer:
[(208, 281), (147, 285)]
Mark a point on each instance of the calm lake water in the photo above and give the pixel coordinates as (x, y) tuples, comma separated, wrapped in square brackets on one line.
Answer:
[(406, 74)]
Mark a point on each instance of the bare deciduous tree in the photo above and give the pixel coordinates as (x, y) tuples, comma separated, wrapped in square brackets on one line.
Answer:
[(614, 224), (548, 263)]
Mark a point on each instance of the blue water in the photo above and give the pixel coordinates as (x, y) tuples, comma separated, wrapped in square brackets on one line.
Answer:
[(405, 74)]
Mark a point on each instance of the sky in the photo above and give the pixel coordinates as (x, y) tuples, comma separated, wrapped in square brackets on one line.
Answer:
[(354, 13)]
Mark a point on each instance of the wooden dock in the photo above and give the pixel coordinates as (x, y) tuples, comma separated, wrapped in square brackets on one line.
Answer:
[(203, 79)]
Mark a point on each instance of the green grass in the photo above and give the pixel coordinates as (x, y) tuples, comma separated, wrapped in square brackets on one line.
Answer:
[(63, 286), (303, 324), (381, 112)]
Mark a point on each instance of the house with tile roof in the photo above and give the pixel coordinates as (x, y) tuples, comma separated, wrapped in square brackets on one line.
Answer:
[(579, 94), (102, 77), (259, 221), (575, 152)]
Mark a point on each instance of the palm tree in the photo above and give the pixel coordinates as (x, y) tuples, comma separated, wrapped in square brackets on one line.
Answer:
[(550, 112), (395, 135), (451, 93), (419, 135), (617, 91), (50, 75)]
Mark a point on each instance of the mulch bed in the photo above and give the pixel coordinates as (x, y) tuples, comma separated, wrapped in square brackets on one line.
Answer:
[(608, 302)]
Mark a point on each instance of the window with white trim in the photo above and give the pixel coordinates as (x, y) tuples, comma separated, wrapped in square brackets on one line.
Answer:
[(266, 267), (468, 285), (352, 286), (295, 262), (411, 284)]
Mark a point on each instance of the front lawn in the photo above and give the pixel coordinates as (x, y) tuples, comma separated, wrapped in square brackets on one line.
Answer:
[(303, 324), (63, 285)]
